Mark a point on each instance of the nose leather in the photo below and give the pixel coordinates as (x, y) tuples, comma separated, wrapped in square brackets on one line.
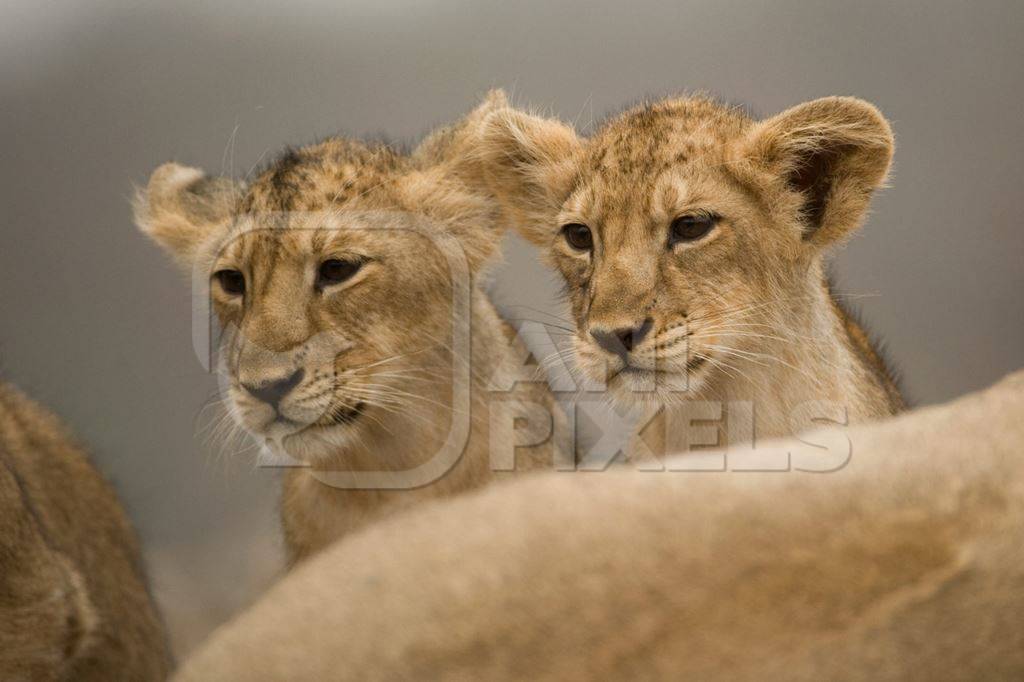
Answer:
[(622, 341), (272, 392)]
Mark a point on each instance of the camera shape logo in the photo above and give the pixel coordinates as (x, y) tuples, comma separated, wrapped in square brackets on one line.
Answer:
[(289, 382)]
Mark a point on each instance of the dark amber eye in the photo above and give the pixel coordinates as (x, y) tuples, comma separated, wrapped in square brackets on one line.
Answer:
[(335, 271), (578, 236), (690, 228), (231, 281)]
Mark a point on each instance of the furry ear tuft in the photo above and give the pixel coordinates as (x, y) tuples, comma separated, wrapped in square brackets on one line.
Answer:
[(528, 162), (447, 185), (455, 144), (834, 152), (182, 207)]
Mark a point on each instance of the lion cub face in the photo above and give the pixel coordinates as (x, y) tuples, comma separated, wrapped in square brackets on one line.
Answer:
[(325, 323), (332, 276), (685, 231)]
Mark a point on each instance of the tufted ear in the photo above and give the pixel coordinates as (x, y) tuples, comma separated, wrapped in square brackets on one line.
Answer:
[(528, 163), (455, 145), (833, 153), (182, 207), (448, 185)]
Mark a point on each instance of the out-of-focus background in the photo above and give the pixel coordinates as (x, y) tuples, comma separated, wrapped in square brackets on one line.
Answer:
[(95, 322)]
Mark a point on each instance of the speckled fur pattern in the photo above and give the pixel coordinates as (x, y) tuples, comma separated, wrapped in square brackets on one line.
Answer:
[(743, 314)]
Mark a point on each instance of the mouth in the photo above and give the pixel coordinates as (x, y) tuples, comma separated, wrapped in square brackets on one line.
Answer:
[(692, 365), (634, 371), (637, 383), (339, 415)]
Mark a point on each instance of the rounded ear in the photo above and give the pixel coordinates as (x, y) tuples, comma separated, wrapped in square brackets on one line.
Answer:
[(182, 207), (447, 185), (834, 152), (529, 164), (455, 144)]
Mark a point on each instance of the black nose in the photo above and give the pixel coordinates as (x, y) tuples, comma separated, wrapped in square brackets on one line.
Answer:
[(622, 341), (271, 392)]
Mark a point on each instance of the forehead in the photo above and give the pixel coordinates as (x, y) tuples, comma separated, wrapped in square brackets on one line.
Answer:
[(670, 132), (630, 154), (335, 196), (331, 174)]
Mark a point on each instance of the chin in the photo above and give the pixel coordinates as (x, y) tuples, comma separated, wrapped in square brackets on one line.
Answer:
[(317, 444)]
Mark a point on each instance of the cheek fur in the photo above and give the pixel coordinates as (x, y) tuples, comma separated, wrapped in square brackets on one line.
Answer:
[(576, 279)]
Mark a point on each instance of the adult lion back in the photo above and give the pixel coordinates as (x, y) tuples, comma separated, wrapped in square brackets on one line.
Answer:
[(74, 604), (906, 563)]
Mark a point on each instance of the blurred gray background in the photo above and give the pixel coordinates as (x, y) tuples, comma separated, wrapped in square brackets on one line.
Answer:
[(95, 322)]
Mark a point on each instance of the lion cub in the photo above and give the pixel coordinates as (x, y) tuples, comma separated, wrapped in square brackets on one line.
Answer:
[(692, 240), (357, 342), (74, 604)]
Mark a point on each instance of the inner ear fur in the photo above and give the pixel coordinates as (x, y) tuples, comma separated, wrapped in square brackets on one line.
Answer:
[(181, 208), (528, 163), (834, 152)]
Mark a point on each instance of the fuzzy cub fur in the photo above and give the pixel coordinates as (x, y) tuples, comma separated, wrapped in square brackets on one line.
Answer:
[(692, 240), (357, 339)]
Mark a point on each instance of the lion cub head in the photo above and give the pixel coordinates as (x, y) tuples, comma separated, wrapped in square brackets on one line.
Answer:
[(332, 275), (685, 230)]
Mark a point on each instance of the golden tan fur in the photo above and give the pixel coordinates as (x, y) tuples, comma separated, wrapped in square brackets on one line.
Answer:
[(74, 604), (908, 564), (742, 314), (376, 351)]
